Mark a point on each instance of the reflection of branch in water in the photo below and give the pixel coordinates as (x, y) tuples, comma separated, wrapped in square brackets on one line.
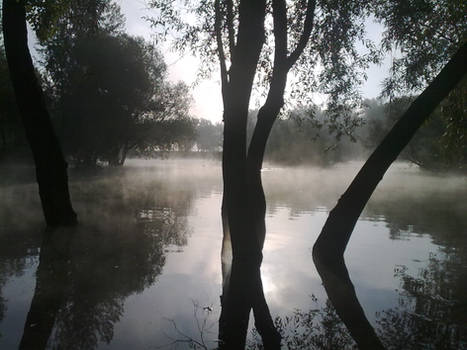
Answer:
[(164, 224), (432, 306), (204, 328), (316, 329)]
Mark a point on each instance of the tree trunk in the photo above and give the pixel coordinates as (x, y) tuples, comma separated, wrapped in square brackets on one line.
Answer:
[(267, 115), (2, 131), (244, 204), (328, 251), (246, 255), (51, 168)]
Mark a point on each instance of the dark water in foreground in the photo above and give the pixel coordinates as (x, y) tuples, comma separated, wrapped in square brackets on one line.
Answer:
[(143, 268)]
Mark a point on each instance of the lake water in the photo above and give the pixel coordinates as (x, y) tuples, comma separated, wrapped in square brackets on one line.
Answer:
[(143, 268)]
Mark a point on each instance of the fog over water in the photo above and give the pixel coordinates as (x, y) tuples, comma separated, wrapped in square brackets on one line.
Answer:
[(148, 249)]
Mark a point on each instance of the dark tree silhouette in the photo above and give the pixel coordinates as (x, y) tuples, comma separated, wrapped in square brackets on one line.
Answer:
[(328, 251), (51, 168), (264, 40), (244, 204)]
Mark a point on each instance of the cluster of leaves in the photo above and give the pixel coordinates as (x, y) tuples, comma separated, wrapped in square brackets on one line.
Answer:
[(190, 26), (423, 35), (335, 63), (43, 15), (453, 141)]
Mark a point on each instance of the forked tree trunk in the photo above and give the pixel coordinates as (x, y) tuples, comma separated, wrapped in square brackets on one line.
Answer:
[(246, 253), (51, 168), (244, 204), (328, 251)]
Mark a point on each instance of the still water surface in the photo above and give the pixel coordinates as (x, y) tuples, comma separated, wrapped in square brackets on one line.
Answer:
[(143, 268)]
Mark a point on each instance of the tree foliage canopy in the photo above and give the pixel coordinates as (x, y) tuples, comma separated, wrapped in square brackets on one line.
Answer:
[(109, 90), (424, 34)]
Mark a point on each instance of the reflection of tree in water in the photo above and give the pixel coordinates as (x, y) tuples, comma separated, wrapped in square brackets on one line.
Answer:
[(17, 253), (437, 214), (106, 267), (122, 253), (431, 313), (432, 310), (131, 220), (316, 329)]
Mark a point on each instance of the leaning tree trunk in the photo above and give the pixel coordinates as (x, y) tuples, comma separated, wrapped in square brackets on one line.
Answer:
[(328, 251), (51, 168)]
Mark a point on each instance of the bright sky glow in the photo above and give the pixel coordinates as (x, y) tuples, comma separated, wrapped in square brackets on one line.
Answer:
[(207, 101)]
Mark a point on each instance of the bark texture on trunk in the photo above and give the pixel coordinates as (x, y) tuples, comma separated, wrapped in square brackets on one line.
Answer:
[(328, 251), (51, 168)]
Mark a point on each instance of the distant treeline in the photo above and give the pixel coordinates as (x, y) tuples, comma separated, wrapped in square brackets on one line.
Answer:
[(307, 137)]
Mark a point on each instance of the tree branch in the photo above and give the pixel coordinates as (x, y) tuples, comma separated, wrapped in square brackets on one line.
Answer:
[(279, 11), (230, 27), (220, 46), (307, 28)]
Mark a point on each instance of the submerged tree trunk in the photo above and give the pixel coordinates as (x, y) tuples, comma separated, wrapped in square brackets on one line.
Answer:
[(244, 204), (328, 251), (51, 168), (237, 298)]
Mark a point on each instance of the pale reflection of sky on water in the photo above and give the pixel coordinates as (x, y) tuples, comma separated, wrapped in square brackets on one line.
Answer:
[(126, 213)]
